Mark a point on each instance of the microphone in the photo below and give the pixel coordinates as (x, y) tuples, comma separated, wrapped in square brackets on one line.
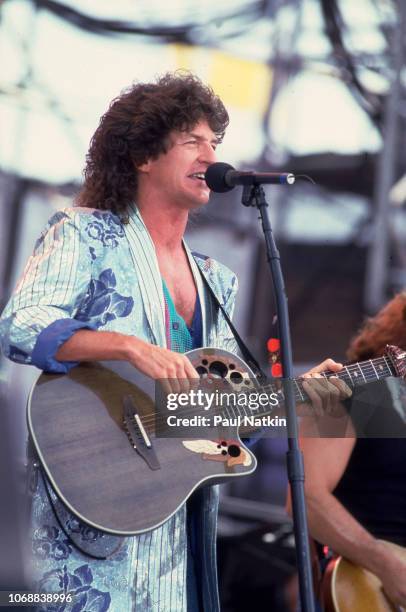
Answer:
[(221, 177)]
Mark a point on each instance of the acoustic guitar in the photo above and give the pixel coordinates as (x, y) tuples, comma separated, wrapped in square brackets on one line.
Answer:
[(351, 588), (94, 432)]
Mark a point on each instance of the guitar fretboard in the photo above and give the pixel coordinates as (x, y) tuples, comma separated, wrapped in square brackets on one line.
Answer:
[(353, 375)]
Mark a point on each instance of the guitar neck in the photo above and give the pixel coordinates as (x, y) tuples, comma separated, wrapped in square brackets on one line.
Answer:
[(353, 375)]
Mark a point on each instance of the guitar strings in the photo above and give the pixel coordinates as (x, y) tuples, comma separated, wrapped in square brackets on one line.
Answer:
[(301, 396), (373, 369)]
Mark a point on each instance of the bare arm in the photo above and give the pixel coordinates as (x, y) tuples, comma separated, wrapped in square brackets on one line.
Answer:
[(325, 461), (154, 361)]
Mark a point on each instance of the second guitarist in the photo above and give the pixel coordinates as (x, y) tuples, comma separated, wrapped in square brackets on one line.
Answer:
[(356, 485)]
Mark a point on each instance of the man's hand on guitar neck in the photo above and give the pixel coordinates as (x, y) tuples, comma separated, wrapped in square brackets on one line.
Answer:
[(325, 394), (173, 370)]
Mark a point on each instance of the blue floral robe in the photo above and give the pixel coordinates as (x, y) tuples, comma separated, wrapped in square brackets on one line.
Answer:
[(89, 270)]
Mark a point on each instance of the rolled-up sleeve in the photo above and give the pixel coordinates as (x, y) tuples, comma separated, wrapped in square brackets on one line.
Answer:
[(39, 316)]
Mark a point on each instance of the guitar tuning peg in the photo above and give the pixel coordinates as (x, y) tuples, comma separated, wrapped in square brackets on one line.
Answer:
[(398, 358)]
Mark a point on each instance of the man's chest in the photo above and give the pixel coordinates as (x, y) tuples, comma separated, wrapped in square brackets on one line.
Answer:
[(181, 286)]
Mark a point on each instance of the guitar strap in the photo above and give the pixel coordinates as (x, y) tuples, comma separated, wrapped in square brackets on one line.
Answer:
[(245, 352)]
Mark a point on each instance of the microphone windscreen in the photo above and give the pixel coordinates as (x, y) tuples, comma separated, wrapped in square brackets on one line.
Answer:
[(215, 177)]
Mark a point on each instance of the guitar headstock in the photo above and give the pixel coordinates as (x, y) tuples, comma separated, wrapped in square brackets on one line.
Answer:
[(398, 359)]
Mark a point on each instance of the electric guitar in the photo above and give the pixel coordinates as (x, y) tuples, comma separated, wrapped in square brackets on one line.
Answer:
[(351, 588), (95, 432)]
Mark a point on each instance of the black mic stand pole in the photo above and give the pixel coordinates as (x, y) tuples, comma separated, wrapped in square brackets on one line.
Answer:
[(254, 195)]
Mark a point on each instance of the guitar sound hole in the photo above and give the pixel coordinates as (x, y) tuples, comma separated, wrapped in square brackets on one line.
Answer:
[(236, 378), (218, 369)]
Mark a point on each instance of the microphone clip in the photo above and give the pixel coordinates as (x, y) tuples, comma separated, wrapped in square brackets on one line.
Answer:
[(253, 195)]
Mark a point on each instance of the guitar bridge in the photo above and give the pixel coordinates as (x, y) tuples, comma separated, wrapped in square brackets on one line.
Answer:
[(137, 435)]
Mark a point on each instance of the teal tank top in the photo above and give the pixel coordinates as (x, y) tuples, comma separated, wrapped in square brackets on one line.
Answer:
[(179, 337)]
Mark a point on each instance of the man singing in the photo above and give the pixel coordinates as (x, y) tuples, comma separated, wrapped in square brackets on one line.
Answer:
[(112, 279)]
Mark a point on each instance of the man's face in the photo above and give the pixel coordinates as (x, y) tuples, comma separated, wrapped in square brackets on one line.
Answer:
[(177, 176)]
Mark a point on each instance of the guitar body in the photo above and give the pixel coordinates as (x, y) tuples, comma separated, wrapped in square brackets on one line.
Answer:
[(76, 424), (355, 589)]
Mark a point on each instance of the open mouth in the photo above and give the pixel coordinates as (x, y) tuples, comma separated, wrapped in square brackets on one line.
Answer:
[(197, 175)]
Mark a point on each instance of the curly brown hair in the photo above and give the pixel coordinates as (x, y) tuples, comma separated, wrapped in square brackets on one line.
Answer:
[(135, 129), (386, 327)]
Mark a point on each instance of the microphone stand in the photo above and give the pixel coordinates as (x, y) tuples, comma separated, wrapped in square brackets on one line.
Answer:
[(254, 195)]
